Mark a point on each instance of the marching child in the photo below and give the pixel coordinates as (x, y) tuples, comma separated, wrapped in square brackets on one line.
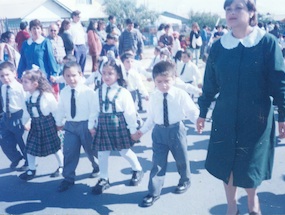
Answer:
[(42, 139), (76, 106), (116, 123), (12, 129), (168, 106)]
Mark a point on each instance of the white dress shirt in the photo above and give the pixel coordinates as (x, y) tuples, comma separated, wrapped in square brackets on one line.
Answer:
[(180, 106), (78, 33), (191, 73), (124, 103), (17, 96), (85, 105), (134, 81)]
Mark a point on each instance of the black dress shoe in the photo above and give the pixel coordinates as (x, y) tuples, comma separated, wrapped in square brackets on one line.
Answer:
[(136, 178), (182, 187), (95, 173), (57, 172), (23, 168), (15, 163), (149, 200), (28, 175), (64, 185), (101, 185)]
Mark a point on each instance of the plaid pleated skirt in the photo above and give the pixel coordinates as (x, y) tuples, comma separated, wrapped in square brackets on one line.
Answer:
[(112, 133), (43, 138)]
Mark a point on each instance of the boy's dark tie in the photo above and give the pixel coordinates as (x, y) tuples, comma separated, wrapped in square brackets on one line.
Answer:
[(8, 102), (182, 71), (107, 99), (165, 111), (73, 106)]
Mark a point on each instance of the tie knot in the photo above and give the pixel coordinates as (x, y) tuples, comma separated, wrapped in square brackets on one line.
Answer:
[(165, 94), (108, 88), (8, 86), (73, 91)]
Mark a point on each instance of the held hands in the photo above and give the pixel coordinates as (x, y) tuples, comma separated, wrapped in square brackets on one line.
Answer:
[(136, 136), (59, 128), (200, 124), (92, 132), (281, 127)]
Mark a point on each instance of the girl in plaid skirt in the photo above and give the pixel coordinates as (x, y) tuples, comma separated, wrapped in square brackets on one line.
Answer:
[(116, 122), (42, 139)]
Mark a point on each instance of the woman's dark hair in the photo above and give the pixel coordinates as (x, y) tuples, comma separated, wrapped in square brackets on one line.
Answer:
[(23, 25), (91, 25), (64, 23), (161, 27), (35, 23), (6, 36), (180, 37), (250, 4), (38, 76), (117, 66)]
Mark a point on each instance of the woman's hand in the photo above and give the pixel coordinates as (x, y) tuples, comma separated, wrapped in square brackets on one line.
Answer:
[(200, 124)]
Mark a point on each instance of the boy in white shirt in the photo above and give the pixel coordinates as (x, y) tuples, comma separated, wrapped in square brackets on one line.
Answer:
[(168, 106)]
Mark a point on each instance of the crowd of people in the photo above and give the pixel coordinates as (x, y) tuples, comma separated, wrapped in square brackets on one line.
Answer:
[(44, 92)]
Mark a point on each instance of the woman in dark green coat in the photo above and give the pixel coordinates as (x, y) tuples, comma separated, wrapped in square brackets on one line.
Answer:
[(245, 71)]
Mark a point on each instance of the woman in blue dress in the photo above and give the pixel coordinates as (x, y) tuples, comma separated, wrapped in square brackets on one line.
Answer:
[(245, 70)]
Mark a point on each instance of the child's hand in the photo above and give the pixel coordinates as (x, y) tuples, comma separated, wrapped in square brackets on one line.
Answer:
[(92, 132), (52, 79), (59, 128), (149, 79), (200, 125), (136, 136), (27, 127)]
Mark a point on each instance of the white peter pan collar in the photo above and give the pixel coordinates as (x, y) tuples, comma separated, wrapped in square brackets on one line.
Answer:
[(38, 41), (228, 41)]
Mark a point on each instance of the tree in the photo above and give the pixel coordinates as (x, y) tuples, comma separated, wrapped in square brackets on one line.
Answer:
[(203, 18), (123, 9)]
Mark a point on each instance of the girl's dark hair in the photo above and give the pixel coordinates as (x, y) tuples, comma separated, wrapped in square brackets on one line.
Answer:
[(64, 23), (117, 66), (35, 23), (72, 64), (91, 25), (38, 76), (250, 4), (23, 25), (7, 65), (164, 68), (178, 56)]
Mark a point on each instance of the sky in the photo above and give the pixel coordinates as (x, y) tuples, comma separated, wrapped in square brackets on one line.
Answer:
[(183, 7)]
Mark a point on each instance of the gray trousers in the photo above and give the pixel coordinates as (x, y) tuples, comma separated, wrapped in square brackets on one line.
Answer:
[(165, 139), (76, 135)]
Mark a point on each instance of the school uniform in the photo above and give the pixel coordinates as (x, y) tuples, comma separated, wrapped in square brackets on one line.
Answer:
[(169, 137), (115, 117), (11, 127), (76, 127), (189, 73), (135, 83), (42, 139)]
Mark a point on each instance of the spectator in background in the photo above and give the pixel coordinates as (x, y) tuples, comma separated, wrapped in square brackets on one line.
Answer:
[(101, 31), (183, 42), (79, 39), (204, 36), (37, 51), (176, 43), (130, 39), (166, 40), (276, 31), (218, 33), (64, 33), (22, 35), (110, 46), (160, 31), (195, 48), (57, 44), (112, 27), (94, 43)]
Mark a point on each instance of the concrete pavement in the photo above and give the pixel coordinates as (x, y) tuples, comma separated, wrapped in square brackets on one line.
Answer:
[(205, 196)]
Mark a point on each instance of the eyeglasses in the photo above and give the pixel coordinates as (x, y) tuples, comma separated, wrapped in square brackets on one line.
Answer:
[(52, 30)]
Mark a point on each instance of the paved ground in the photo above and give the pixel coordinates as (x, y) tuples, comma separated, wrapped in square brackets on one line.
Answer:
[(206, 195)]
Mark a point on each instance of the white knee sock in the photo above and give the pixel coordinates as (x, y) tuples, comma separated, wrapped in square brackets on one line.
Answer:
[(31, 161), (59, 157), (132, 158), (103, 163)]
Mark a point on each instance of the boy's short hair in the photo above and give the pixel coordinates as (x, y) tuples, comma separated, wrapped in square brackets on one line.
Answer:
[(71, 64), (7, 65), (126, 56), (163, 68), (23, 25), (188, 53), (75, 13)]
